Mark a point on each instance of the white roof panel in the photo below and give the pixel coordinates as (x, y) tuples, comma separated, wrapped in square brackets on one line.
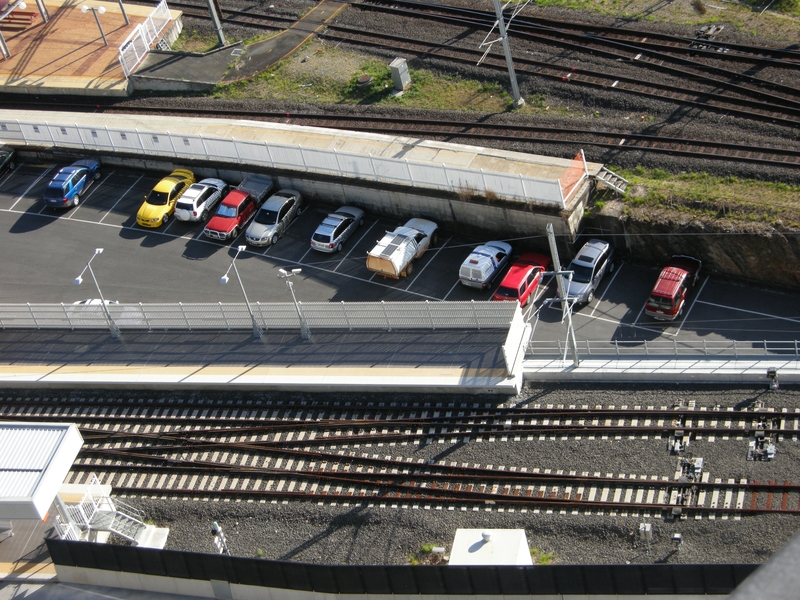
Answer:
[(34, 461)]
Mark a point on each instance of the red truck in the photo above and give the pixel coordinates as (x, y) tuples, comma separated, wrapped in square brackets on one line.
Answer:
[(238, 207), (668, 297)]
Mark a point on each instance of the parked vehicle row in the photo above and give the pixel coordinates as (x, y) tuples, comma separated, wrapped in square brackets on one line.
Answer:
[(265, 218)]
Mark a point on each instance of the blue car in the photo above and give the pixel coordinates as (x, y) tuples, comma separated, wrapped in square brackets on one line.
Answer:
[(65, 189)]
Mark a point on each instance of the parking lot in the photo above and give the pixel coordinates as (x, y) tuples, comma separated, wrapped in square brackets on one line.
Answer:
[(46, 248)]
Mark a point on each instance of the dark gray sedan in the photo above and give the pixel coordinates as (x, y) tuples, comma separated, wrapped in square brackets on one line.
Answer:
[(336, 228), (8, 159)]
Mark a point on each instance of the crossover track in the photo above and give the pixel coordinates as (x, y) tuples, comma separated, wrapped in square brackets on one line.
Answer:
[(273, 452), (466, 131)]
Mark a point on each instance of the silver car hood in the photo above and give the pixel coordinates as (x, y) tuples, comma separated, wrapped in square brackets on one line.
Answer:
[(577, 290), (257, 230)]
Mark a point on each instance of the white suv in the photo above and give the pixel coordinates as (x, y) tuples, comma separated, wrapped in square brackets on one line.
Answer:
[(199, 200)]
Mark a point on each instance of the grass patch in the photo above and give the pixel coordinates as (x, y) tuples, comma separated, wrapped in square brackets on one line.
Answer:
[(540, 557), (704, 195), (192, 41)]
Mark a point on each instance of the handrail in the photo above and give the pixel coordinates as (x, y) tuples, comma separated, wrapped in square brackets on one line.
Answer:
[(667, 348)]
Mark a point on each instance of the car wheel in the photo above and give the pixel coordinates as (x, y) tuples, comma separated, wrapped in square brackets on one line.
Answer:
[(589, 298), (97, 175), (76, 200), (434, 238), (164, 219), (274, 239), (338, 247), (611, 267), (235, 233), (361, 221), (11, 165), (204, 215), (409, 269)]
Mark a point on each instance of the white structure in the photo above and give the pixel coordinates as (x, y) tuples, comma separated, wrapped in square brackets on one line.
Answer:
[(490, 547), (34, 461)]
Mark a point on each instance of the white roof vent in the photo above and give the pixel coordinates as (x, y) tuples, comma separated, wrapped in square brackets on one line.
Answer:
[(487, 536)]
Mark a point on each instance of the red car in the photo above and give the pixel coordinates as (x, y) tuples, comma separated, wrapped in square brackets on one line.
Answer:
[(232, 216), (522, 278), (668, 297)]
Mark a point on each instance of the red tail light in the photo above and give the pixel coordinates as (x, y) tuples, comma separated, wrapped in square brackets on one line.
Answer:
[(330, 245), (65, 200)]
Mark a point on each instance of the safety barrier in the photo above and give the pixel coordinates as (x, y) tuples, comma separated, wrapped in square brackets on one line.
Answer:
[(384, 316), (662, 348), (136, 46), (196, 573), (296, 158)]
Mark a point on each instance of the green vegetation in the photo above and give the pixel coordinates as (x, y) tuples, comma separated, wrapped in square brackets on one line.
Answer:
[(703, 195), (192, 41), (541, 557)]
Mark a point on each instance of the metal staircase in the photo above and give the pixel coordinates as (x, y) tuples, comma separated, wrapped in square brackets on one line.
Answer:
[(98, 513), (612, 180)]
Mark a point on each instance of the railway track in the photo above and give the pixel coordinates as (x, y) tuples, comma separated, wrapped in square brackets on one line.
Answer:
[(744, 95), (468, 131), (262, 452)]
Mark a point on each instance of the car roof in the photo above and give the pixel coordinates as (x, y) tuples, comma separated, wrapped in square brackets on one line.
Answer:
[(517, 272), (669, 281), (590, 252), (276, 201), (234, 198)]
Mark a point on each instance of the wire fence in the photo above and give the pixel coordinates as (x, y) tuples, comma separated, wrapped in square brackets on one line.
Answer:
[(667, 348), (385, 316)]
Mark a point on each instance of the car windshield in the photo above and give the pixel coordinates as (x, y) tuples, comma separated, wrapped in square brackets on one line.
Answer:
[(267, 217), (581, 273), (157, 198), (507, 292), (54, 192), (226, 211)]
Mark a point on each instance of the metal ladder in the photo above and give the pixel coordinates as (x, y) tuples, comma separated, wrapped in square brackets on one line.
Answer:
[(612, 180)]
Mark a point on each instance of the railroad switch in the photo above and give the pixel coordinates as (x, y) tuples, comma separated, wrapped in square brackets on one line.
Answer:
[(678, 442), (690, 469), (761, 447)]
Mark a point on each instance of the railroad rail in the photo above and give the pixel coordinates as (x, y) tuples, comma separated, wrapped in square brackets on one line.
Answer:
[(752, 97), (464, 131), (262, 452)]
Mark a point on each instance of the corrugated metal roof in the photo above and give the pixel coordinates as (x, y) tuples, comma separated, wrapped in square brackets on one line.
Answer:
[(28, 447), (18, 484)]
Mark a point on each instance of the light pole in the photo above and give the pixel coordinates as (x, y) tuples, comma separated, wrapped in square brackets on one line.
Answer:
[(3, 46), (79, 279), (224, 279), (305, 332), (101, 9)]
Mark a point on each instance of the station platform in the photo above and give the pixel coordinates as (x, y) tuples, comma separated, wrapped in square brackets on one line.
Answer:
[(66, 55), (24, 556), (413, 361)]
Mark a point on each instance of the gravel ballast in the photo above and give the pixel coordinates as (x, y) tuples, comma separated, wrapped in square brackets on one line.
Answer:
[(395, 533)]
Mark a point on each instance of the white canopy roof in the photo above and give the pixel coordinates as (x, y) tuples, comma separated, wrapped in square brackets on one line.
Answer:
[(34, 461)]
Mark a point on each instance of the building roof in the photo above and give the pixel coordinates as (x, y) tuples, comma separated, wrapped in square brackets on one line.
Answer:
[(34, 461)]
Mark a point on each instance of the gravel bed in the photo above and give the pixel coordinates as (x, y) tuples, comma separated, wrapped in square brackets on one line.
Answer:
[(371, 534), (571, 106)]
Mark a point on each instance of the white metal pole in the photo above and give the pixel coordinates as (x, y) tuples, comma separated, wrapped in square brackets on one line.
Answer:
[(518, 101)]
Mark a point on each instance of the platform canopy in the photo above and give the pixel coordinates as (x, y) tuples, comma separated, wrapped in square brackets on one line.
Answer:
[(34, 461)]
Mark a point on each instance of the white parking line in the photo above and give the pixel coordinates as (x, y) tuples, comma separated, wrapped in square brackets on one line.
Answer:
[(25, 193), (346, 256), (451, 289), (408, 287), (110, 210), (599, 298), (95, 185), (686, 316), (752, 312)]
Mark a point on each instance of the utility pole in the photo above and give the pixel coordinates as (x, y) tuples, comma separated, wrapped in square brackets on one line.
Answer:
[(519, 102), (216, 15), (562, 292)]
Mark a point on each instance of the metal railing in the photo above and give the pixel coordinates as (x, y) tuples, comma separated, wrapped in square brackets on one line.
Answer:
[(136, 46), (292, 157), (667, 348), (384, 316)]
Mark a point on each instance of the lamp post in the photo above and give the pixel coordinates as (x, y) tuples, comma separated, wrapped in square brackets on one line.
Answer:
[(101, 9), (224, 279), (112, 326), (305, 332), (3, 46)]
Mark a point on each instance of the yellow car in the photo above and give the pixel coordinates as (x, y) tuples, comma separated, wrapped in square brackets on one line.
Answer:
[(160, 203)]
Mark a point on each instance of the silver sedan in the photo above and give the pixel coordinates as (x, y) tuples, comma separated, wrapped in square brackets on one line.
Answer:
[(336, 228)]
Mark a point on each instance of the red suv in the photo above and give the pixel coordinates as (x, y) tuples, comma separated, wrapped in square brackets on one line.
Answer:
[(232, 215), (669, 294), (522, 278)]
